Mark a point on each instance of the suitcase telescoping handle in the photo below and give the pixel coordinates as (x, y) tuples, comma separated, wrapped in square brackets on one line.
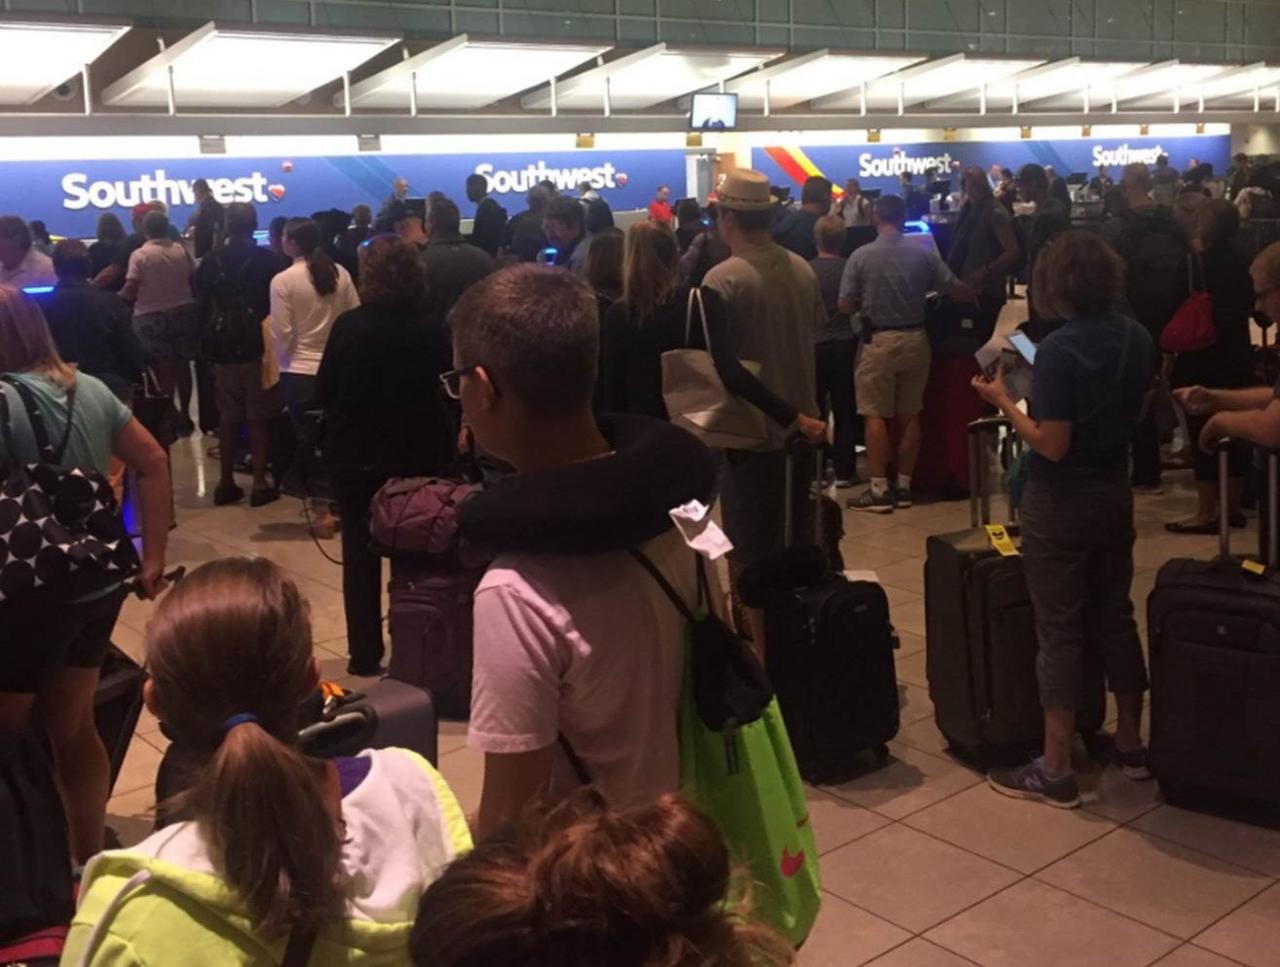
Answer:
[(1271, 553), (797, 447), (979, 494)]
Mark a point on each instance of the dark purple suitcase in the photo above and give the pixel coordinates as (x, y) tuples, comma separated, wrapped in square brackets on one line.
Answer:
[(1214, 636)]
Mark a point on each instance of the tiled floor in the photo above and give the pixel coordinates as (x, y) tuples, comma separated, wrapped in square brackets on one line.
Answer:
[(923, 865)]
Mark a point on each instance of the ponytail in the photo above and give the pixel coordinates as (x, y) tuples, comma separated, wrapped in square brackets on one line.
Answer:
[(263, 807), (305, 234), (259, 802)]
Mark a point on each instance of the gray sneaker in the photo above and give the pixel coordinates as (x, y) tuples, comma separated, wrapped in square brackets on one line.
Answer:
[(869, 502), (902, 497), (1135, 764), (1032, 782)]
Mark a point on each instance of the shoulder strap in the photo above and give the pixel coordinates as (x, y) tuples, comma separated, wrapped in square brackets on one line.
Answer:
[(47, 453), (665, 585), (6, 429)]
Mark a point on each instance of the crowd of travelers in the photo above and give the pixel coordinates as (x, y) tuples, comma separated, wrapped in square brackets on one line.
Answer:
[(536, 347)]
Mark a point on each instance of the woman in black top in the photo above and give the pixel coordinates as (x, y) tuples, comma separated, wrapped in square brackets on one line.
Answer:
[(106, 251), (1223, 270), (651, 318), (384, 418)]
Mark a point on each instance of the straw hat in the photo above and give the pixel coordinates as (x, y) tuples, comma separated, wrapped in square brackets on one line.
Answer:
[(744, 190)]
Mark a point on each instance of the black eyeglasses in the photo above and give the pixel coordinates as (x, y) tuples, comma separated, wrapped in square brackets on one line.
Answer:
[(452, 381)]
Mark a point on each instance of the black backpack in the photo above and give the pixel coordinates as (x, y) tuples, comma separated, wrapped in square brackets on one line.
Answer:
[(233, 333), (1154, 249), (59, 529)]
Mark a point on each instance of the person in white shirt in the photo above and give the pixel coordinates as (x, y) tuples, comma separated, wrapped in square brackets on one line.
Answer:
[(305, 300), (21, 265), (853, 206)]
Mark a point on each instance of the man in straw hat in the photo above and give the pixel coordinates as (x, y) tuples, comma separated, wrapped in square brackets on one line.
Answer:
[(775, 309)]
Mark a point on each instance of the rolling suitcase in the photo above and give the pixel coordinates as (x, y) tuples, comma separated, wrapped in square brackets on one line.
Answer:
[(829, 653), (1214, 636), (981, 638), (434, 576), (117, 704)]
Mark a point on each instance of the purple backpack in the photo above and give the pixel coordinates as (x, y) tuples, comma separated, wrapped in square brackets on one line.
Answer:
[(434, 574)]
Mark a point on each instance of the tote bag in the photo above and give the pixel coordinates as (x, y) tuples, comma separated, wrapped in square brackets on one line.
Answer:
[(737, 766), (696, 397), (1191, 327)]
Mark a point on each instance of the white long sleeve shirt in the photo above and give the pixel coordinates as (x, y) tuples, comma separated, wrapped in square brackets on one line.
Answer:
[(301, 318)]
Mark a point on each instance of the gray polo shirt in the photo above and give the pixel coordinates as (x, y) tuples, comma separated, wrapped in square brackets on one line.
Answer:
[(775, 311), (888, 280)]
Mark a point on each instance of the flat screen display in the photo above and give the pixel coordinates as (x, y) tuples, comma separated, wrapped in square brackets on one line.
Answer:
[(713, 112)]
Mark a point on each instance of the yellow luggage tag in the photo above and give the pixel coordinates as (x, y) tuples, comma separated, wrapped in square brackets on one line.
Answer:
[(1000, 540), (1253, 568)]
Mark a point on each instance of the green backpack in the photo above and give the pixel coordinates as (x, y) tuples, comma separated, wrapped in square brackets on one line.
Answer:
[(736, 765)]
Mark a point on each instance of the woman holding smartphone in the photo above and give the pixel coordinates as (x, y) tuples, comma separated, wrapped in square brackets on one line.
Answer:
[(1090, 377)]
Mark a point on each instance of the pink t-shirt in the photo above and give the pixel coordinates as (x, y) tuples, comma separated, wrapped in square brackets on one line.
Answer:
[(588, 646)]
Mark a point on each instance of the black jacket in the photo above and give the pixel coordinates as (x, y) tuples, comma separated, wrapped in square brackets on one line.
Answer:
[(523, 236), (94, 328), (490, 221), (613, 503), (452, 265), (378, 386)]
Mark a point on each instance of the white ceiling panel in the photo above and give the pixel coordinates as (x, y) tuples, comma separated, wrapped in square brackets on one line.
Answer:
[(463, 74), (933, 80), (812, 76), (243, 67), (35, 57), (648, 77)]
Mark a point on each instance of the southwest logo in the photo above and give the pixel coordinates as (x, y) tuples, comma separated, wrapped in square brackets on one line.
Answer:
[(276, 192), (792, 863)]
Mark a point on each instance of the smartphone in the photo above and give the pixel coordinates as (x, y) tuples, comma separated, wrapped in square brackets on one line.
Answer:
[(1025, 347), (548, 255)]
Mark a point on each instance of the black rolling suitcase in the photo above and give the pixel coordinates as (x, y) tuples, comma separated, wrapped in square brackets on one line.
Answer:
[(117, 704), (829, 654), (1214, 635), (981, 637)]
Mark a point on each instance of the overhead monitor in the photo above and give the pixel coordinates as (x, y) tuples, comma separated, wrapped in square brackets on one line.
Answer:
[(713, 112)]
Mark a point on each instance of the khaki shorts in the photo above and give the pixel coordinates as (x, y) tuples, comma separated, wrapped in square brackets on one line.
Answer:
[(240, 393), (891, 374)]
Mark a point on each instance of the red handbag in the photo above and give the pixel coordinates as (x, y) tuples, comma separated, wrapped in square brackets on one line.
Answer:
[(1191, 327)]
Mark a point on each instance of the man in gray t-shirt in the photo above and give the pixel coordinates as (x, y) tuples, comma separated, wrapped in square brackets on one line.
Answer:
[(886, 283)]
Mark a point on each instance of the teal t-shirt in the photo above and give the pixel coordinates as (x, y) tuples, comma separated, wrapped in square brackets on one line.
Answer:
[(96, 419)]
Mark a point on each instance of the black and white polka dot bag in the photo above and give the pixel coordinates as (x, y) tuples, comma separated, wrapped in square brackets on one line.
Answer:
[(59, 529)]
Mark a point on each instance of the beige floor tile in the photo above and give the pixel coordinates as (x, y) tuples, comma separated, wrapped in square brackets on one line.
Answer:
[(837, 822), (907, 575), (147, 723), (130, 640), (1156, 881), (898, 598), (1107, 792), (908, 644), (925, 736), (132, 815), (910, 879), (463, 769), (1025, 836), (157, 740), (1189, 955), (139, 768), (920, 953), (453, 736), (861, 556), (845, 936), (911, 781), (907, 541), (1250, 935), (1252, 847), (911, 670), (913, 702), (910, 617), (1033, 925)]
